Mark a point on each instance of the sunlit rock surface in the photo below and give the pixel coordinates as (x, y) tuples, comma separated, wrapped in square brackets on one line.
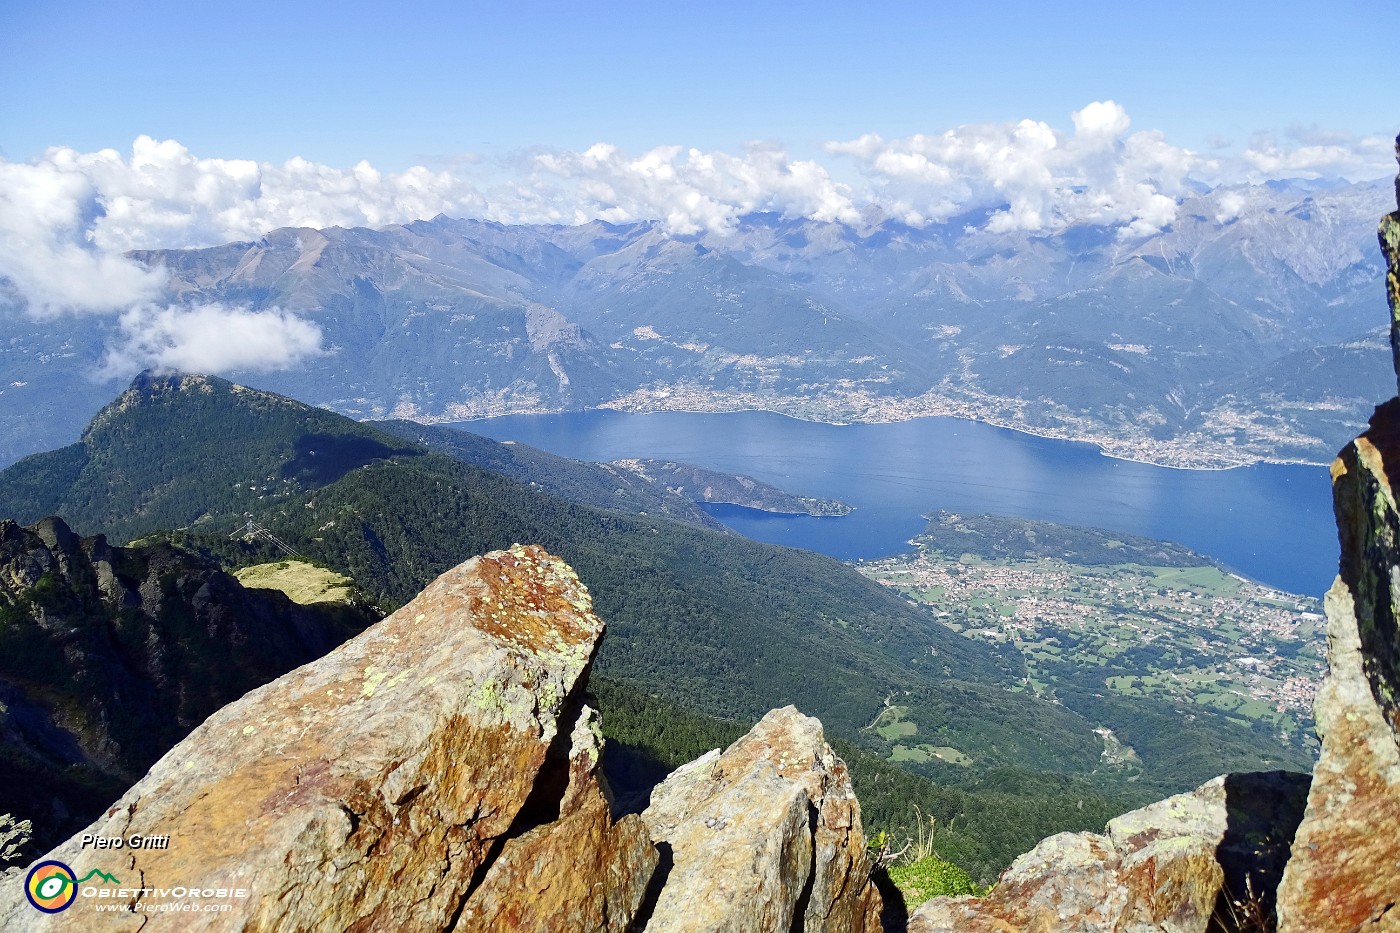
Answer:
[(1178, 865), (1345, 873), (441, 772), (766, 836), (381, 786)]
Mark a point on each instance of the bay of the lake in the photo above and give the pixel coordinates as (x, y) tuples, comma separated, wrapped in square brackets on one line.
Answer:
[(1270, 522)]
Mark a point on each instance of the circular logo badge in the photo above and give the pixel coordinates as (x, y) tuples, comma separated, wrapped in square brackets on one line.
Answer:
[(51, 887)]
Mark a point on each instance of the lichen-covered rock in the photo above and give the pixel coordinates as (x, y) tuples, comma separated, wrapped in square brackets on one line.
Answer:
[(14, 835), (1389, 234), (766, 836), (1171, 866), (581, 871), (380, 787), (1345, 871)]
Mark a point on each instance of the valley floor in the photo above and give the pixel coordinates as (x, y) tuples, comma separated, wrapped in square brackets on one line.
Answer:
[(1191, 635)]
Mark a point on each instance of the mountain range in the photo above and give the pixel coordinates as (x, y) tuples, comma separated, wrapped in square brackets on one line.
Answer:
[(1244, 331), (702, 622)]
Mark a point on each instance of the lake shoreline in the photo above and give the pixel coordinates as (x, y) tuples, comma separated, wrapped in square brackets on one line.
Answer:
[(1168, 456), (1271, 522)]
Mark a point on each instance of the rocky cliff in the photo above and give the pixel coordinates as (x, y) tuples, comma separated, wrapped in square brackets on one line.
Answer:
[(110, 655), (1345, 874), (440, 772)]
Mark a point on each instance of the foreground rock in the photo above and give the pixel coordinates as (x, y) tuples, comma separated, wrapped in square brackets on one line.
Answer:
[(766, 836), (441, 772), (578, 872), (111, 655), (1345, 874), (1213, 855), (383, 786)]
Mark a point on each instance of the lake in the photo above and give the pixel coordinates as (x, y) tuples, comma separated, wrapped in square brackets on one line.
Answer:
[(1270, 522)]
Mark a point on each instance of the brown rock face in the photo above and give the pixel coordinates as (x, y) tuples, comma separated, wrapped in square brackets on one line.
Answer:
[(111, 655), (765, 836), (1181, 864), (578, 872), (1345, 872), (440, 772), (385, 785)]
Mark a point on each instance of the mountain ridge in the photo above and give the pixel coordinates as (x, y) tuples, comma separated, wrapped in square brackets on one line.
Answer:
[(704, 617), (1179, 348)]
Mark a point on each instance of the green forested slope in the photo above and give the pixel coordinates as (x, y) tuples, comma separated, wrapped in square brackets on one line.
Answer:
[(172, 451), (597, 484), (708, 623), (726, 625)]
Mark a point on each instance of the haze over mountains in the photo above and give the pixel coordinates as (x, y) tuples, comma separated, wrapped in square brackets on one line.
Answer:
[(1242, 331)]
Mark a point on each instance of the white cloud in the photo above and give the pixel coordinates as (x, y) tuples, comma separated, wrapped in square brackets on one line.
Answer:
[(1230, 205), (1320, 155), (1101, 118), (1032, 176), (164, 196), (67, 217), (692, 191), (209, 338), (46, 248)]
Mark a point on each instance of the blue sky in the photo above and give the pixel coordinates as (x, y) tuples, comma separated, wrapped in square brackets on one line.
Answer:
[(431, 81), (162, 125), (169, 125)]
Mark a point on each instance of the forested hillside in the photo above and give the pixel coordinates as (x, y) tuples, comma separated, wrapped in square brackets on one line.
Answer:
[(710, 623)]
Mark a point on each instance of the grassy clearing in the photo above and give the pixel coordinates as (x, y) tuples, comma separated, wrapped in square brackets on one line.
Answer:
[(925, 753), (951, 755), (892, 725), (1205, 580), (898, 730), (302, 582)]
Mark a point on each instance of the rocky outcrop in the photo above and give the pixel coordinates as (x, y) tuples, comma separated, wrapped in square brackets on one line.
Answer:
[(441, 772), (14, 837), (766, 836), (1389, 234), (579, 872), (1345, 874), (381, 786), (1211, 856), (111, 655)]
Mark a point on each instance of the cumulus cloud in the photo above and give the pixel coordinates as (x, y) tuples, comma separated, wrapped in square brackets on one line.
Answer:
[(692, 191), (1229, 206), (209, 338), (1032, 176), (47, 252), (67, 217), (162, 195), (1321, 154)]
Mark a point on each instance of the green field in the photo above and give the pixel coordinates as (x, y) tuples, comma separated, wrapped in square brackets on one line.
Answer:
[(923, 754), (302, 582), (892, 725)]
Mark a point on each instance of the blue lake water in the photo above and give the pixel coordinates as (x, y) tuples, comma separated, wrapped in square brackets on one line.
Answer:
[(1270, 522)]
